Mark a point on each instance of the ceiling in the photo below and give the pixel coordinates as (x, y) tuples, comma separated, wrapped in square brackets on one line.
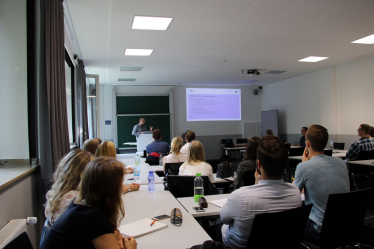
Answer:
[(209, 42)]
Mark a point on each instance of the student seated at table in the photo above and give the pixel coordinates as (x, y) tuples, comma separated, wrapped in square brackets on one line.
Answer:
[(91, 219), (196, 162), (175, 155), (371, 132), (269, 132), (319, 175), (248, 164), (107, 148), (189, 137), (270, 195), (157, 145), (365, 143), (91, 145), (65, 185), (302, 139)]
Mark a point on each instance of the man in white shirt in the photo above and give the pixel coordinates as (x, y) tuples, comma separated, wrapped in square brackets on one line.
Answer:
[(270, 195), (189, 137)]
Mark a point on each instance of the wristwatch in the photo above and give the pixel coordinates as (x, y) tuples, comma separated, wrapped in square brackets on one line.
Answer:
[(129, 188)]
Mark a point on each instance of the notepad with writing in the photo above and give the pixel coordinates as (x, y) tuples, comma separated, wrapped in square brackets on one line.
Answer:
[(218, 203), (141, 227)]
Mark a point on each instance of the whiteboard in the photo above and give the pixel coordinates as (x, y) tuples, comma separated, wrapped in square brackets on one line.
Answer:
[(269, 120)]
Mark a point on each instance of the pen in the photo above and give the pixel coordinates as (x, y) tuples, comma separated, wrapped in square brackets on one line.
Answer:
[(153, 222)]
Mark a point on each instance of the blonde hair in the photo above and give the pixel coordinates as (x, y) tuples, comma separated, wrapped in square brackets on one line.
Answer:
[(107, 148), (176, 145), (101, 187), (67, 177), (195, 154)]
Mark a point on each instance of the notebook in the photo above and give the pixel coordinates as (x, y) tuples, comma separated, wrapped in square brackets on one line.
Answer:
[(218, 203), (141, 227)]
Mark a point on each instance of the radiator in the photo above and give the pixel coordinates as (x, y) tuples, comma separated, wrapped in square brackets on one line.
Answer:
[(11, 231)]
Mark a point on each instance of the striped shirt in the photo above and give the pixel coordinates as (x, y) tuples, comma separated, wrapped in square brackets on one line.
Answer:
[(268, 196), (364, 143)]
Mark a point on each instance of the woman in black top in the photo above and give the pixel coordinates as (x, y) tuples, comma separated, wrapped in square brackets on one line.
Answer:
[(248, 164), (91, 220)]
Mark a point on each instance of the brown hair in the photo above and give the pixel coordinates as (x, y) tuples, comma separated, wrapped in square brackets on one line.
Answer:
[(366, 128), (107, 148), (101, 187), (269, 132), (372, 131), (250, 150), (273, 155), (190, 136), (67, 177), (195, 154), (305, 128), (141, 118), (176, 145), (91, 145), (317, 135), (157, 134)]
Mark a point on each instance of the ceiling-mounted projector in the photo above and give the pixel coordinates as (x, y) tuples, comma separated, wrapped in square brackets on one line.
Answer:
[(251, 72)]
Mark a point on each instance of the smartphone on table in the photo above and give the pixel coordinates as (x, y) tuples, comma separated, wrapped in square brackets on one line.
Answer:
[(198, 209), (161, 217)]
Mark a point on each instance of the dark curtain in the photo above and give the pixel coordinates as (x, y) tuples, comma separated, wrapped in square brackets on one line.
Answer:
[(82, 124), (53, 122)]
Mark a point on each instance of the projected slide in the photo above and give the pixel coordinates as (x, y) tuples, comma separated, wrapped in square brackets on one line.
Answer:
[(209, 104)]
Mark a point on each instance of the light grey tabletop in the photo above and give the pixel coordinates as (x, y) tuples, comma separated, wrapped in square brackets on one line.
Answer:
[(363, 162), (189, 202), (335, 153), (219, 180), (144, 204)]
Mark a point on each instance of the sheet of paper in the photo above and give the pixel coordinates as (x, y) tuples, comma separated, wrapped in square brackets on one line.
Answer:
[(218, 203), (141, 227)]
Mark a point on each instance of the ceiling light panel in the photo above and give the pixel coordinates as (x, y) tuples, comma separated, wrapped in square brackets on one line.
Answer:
[(138, 52), (313, 59), (151, 23), (366, 40)]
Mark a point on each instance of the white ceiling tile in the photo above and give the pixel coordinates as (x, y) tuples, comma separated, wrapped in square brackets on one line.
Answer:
[(297, 18), (222, 12), (260, 29), (188, 24), (179, 8), (320, 6), (243, 2), (279, 4), (153, 35), (157, 44), (229, 38), (217, 46), (197, 36), (227, 27), (191, 45), (261, 15), (138, 7), (362, 8)]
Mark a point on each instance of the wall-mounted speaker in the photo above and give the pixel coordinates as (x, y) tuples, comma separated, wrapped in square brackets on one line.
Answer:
[(255, 92)]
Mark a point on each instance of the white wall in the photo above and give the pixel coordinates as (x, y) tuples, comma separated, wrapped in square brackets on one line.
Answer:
[(13, 80), (251, 112), (106, 112), (339, 98)]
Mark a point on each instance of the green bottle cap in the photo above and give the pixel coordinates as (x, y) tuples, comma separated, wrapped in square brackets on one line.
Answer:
[(198, 174)]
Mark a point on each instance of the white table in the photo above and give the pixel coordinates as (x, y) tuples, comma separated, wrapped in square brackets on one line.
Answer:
[(144, 204), (335, 153), (158, 168), (363, 162), (211, 210), (226, 180), (229, 149)]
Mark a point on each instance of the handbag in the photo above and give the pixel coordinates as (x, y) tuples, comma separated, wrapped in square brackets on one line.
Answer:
[(225, 170)]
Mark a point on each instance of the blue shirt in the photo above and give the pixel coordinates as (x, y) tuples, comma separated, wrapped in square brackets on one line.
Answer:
[(158, 146), (364, 143), (319, 177), (268, 196)]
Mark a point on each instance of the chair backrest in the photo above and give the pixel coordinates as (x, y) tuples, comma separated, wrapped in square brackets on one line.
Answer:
[(288, 145), (22, 241), (214, 163), (118, 151), (249, 178), (225, 141), (344, 218), (328, 152), (241, 140), (279, 230), (173, 167), (183, 186), (366, 155), (339, 146), (152, 160), (296, 151)]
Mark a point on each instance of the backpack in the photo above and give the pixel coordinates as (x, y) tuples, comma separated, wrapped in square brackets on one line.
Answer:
[(225, 170)]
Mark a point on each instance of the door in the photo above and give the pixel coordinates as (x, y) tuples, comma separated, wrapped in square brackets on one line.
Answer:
[(92, 88)]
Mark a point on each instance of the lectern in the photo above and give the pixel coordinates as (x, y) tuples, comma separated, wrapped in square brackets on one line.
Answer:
[(144, 140)]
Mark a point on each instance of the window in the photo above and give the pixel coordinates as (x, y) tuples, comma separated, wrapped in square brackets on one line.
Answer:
[(70, 96)]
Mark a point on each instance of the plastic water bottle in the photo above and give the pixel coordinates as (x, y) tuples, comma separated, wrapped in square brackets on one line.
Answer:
[(331, 144), (161, 160), (198, 187), (137, 168), (151, 182)]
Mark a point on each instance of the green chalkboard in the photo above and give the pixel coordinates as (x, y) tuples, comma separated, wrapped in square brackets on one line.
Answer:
[(125, 124), (142, 104)]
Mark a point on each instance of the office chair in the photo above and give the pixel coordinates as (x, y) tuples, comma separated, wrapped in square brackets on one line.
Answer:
[(214, 163), (296, 151), (249, 178), (343, 221), (339, 146), (286, 228), (366, 155), (242, 141), (172, 168), (328, 152), (288, 145), (183, 186)]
